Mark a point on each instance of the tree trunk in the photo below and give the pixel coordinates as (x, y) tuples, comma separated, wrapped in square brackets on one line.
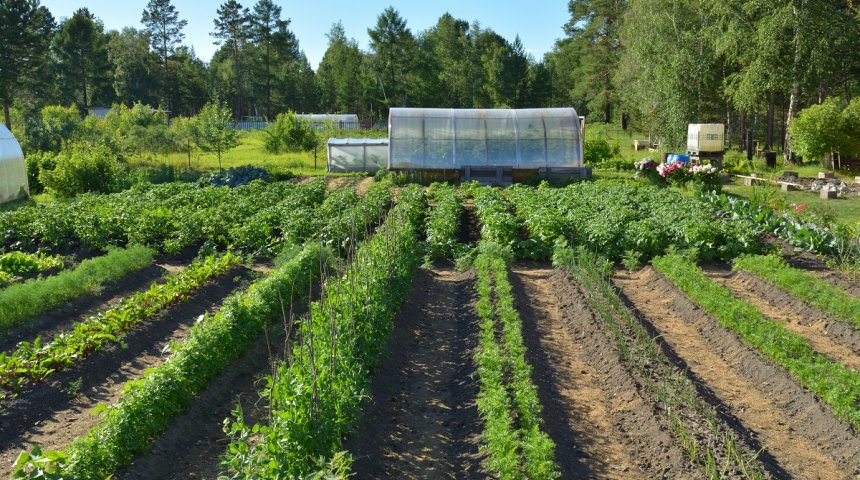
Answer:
[(6, 115), (771, 107), (742, 142), (788, 155), (85, 110)]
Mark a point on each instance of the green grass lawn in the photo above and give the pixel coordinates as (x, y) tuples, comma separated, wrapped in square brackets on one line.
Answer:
[(249, 152), (842, 210)]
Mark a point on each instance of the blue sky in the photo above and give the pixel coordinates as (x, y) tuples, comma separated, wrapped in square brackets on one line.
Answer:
[(537, 22)]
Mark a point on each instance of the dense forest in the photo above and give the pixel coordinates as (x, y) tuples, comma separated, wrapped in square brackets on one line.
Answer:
[(660, 64)]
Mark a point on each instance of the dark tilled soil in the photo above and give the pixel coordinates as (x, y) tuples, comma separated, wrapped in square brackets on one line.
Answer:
[(50, 323), (55, 413), (827, 335), (470, 231), (801, 436), (423, 421), (190, 447), (602, 425)]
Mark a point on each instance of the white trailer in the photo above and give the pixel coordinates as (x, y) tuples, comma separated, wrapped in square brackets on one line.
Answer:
[(706, 141)]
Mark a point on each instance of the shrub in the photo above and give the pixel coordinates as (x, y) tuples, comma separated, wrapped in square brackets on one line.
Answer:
[(599, 150), (83, 167), (833, 126), (36, 162), (736, 163), (58, 125), (289, 133)]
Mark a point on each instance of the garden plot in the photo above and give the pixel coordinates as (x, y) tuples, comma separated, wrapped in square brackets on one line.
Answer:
[(61, 409), (801, 436), (506, 366), (599, 420), (423, 421)]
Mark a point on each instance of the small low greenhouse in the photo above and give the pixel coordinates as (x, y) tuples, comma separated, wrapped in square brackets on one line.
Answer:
[(13, 170), (357, 154), (525, 139)]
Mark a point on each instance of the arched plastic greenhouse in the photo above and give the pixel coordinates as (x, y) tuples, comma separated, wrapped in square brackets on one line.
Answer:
[(528, 139), (13, 170), (344, 121)]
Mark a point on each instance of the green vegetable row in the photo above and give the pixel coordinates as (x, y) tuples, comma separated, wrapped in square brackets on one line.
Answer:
[(316, 397), (345, 218), (678, 399), (803, 285), (22, 301), (623, 219), (508, 400), (169, 217), (834, 383), (498, 224), (148, 404), (34, 362), (18, 264), (443, 221)]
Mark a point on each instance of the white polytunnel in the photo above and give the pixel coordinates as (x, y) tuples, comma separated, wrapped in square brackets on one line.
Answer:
[(13, 170), (357, 154), (348, 121), (441, 138)]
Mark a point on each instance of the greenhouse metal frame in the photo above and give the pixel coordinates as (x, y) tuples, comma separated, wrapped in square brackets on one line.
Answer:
[(524, 139)]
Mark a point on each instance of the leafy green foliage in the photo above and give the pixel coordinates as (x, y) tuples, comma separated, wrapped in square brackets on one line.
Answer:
[(170, 217), (148, 404), (616, 218), (22, 301), (345, 218), (596, 151), (795, 231), (803, 285), (213, 132), (443, 222), (317, 395), (832, 382), (507, 401), (831, 127), (82, 168), (498, 224), (19, 263), (289, 133), (34, 362)]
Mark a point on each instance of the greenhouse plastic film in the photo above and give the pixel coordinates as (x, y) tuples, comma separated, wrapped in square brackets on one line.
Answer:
[(13, 170), (432, 138)]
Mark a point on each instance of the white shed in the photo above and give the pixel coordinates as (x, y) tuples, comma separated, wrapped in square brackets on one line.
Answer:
[(13, 170)]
